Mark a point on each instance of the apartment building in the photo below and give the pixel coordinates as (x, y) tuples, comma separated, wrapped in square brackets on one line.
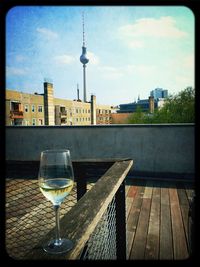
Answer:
[(43, 109), (24, 109)]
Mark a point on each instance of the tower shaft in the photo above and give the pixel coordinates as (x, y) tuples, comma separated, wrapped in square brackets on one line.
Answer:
[(84, 84)]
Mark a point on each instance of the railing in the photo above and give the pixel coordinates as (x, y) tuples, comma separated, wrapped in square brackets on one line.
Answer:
[(97, 222), (63, 114), (16, 114)]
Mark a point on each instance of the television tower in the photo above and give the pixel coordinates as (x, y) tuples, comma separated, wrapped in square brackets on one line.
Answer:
[(84, 60)]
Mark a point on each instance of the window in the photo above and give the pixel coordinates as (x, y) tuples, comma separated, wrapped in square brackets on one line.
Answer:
[(33, 121), (33, 108), (26, 108), (40, 121), (40, 108)]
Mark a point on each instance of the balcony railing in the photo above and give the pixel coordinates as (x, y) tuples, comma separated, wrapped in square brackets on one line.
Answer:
[(63, 113), (16, 114)]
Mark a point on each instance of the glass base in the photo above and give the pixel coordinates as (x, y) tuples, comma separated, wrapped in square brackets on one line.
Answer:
[(53, 248)]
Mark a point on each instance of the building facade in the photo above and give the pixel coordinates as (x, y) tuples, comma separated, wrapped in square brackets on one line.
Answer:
[(159, 93), (24, 109), (43, 109), (146, 105), (155, 100)]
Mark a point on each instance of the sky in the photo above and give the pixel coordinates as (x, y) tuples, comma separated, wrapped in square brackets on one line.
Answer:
[(131, 49)]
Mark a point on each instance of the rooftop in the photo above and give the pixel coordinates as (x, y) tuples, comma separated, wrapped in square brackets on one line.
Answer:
[(156, 213), (143, 209)]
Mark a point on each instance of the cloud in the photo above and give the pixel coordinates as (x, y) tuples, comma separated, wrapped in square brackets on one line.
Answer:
[(164, 27), (110, 72), (186, 77), (93, 59), (140, 69), (64, 59), (188, 62), (20, 58), (48, 34), (182, 64), (136, 44), (12, 71), (126, 71)]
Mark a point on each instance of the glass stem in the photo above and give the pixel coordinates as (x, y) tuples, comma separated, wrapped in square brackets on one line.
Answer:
[(57, 212)]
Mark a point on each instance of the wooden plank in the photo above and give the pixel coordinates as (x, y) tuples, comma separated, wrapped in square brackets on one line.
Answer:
[(139, 243), (135, 210), (129, 241), (182, 195), (166, 244), (127, 187), (132, 191), (189, 191), (133, 218), (129, 201), (184, 206), (179, 240), (148, 190), (130, 198), (79, 223), (152, 246)]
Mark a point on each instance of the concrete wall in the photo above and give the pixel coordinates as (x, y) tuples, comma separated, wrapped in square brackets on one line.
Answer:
[(154, 148)]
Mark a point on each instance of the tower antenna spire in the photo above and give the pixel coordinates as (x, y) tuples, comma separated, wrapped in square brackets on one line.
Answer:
[(83, 28)]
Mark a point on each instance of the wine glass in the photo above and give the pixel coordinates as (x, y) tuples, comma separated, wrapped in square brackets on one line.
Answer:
[(56, 179)]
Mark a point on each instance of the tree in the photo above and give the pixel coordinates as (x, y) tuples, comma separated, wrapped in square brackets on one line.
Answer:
[(179, 108), (136, 117)]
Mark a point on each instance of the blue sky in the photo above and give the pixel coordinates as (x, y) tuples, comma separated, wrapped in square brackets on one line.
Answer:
[(131, 49)]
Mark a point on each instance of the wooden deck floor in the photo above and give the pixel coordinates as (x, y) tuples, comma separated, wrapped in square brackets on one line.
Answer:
[(156, 213), (157, 219)]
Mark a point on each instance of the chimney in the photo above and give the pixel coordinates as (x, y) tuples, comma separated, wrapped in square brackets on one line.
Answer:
[(49, 116), (151, 104), (57, 115), (93, 109)]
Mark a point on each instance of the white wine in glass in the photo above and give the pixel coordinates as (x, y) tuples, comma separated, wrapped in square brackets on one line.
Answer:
[(56, 180)]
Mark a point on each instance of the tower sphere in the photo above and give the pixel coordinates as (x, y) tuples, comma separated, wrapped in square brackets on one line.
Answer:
[(83, 58)]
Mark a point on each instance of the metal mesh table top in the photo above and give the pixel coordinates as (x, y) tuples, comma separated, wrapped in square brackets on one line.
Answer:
[(29, 215)]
